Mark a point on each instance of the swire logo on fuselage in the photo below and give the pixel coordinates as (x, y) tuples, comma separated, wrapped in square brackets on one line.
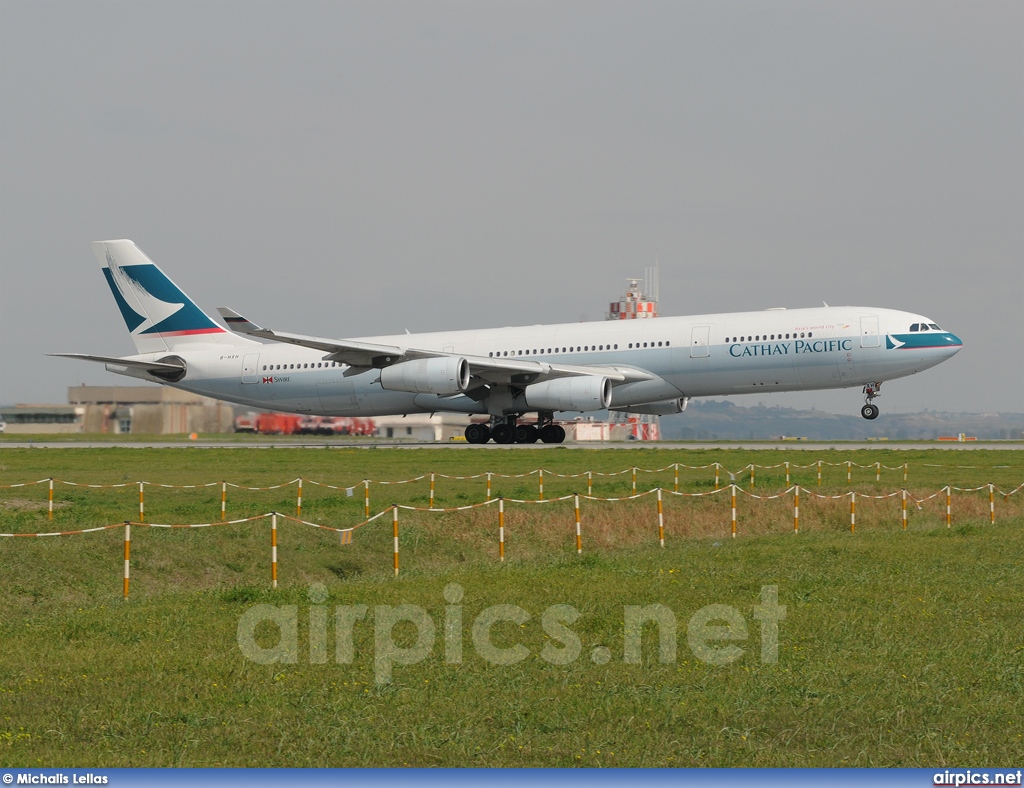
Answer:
[(786, 348)]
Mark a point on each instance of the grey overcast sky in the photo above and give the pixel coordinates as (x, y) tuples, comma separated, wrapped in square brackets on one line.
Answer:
[(351, 168)]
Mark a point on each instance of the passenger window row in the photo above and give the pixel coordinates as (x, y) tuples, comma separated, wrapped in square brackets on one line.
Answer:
[(570, 349), (317, 365), (770, 337)]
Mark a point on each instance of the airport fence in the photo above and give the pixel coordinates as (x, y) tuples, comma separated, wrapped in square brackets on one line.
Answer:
[(656, 522)]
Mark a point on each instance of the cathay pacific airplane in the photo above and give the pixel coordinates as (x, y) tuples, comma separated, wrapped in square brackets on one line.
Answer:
[(638, 366)]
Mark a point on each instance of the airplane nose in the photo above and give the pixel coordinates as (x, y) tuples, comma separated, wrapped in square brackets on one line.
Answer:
[(953, 344)]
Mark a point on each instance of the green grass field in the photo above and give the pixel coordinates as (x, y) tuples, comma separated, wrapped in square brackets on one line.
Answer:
[(898, 647)]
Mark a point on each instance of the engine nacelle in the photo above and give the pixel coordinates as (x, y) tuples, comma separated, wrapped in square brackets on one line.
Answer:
[(664, 408), (583, 393), (444, 376)]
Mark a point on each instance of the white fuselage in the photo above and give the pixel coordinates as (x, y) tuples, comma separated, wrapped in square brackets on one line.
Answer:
[(695, 356)]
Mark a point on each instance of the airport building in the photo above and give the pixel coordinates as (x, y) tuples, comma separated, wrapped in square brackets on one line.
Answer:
[(122, 410)]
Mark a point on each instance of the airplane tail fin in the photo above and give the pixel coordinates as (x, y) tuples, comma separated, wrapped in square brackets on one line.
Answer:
[(159, 316)]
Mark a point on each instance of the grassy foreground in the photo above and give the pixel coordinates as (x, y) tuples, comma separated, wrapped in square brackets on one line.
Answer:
[(898, 648)]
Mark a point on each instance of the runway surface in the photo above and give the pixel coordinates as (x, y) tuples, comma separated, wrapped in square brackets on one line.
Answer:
[(597, 445)]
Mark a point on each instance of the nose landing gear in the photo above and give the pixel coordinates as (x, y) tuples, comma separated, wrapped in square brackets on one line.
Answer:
[(870, 411)]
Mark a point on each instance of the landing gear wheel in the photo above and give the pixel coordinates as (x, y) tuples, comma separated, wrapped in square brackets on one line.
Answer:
[(478, 433), (552, 433), (869, 411), (526, 433), (503, 433)]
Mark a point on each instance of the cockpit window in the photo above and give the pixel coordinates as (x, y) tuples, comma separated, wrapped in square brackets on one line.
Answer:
[(914, 326), (932, 325)]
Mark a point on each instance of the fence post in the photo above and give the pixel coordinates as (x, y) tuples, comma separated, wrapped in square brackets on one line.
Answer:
[(142, 505), (634, 480), (718, 467), (949, 506), (819, 473), (878, 471), (676, 488), (273, 550), (579, 537), (298, 500), (51, 498), (590, 483), (733, 486), (853, 511), (904, 508), (366, 498), (223, 500), (431, 491), (661, 520), (127, 553), (488, 485), (501, 529), (787, 473), (905, 472), (540, 484), (751, 476), (991, 504), (394, 521), (849, 471), (796, 509)]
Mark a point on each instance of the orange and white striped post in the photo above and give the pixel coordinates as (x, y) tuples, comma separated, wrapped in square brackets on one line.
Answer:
[(878, 471), (853, 512), (949, 506), (661, 520), (991, 504), (590, 483), (904, 508), (787, 474), (273, 550), (127, 554), (51, 499), (501, 529), (634, 480), (751, 476), (849, 471), (366, 498), (718, 468), (819, 473), (905, 465), (394, 521), (733, 486), (676, 487), (796, 509), (431, 490), (540, 484), (142, 504), (579, 536), (488, 485), (298, 500), (223, 500)]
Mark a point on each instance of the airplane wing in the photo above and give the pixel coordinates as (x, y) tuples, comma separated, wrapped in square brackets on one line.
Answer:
[(365, 355)]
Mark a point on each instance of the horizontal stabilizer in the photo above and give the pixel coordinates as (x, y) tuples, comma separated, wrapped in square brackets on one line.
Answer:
[(165, 370)]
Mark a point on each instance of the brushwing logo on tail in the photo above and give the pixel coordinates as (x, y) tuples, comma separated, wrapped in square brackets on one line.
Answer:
[(151, 304), (143, 308)]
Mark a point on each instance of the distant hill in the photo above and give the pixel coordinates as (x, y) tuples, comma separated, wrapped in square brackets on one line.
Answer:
[(711, 420)]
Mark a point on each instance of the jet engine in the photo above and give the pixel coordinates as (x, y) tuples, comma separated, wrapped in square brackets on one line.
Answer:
[(583, 393), (442, 376)]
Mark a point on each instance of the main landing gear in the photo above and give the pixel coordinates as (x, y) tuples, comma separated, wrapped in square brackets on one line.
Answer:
[(509, 430), (870, 411)]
